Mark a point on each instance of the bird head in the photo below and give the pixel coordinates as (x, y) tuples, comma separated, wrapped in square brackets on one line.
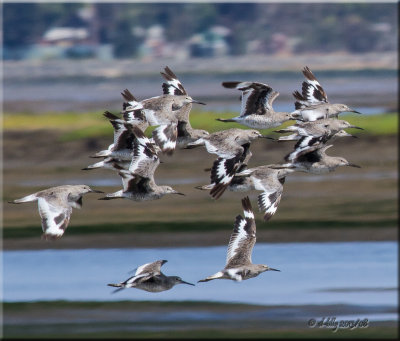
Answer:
[(179, 280), (344, 108)]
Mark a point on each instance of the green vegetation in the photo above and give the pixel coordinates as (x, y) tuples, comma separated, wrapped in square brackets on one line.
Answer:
[(124, 304), (93, 124)]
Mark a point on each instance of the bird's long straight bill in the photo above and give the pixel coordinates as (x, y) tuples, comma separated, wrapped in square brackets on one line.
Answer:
[(95, 191), (273, 269), (183, 282), (353, 165), (198, 102)]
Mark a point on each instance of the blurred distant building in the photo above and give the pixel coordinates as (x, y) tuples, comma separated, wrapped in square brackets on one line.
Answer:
[(210, 43), (65, 36), (67, 42), (278, 43), (155, 45)]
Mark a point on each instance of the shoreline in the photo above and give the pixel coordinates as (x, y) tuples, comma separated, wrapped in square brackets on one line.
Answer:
[(183, 319), (199, 239), (116, 68)]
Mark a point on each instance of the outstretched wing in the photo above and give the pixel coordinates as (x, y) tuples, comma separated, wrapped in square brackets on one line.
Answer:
[(305, 145), (269, 199), (144, 159), (132, 108), (256, 97), (165, 137), (123, 138), (243, 237), (173, 86), (312, 91), (151, 268), (223, 171), (55, 216), (135, 183)]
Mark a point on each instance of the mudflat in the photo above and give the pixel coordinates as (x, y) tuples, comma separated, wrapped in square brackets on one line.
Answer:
[(348, 204)]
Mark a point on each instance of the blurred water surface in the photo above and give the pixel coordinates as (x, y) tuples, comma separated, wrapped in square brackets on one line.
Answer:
[(352, 273), (368, 93)]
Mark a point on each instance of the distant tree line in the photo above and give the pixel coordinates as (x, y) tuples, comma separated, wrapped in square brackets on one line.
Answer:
[(317, 27)]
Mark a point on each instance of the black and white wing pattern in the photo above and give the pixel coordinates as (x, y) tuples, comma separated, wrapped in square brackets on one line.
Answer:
[(144, 158), (270, 198), (134, 183), (305, 145), (224, 169), (312, 155), (132, 108), (55, 214), (143, 273), (312, 92), (173, 86), (123, 138), (165, 137), (256, 97), (243, 238)]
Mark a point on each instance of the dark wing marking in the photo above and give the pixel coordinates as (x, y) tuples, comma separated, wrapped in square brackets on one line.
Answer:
[(269, 201), (173, 86), (305, 145), (182, 131), (165, 137), (224, 170), (127, 95), (55, 218), (135, 183), (312, 91), (257, 98)]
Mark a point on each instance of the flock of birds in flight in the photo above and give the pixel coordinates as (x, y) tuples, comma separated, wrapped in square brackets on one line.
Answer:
[(135, 157)]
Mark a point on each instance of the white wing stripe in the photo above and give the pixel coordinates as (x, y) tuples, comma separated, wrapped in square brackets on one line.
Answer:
[(237, 238), (140, 269)]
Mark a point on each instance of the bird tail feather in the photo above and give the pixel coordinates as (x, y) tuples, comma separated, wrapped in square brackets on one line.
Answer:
[(28, 198)]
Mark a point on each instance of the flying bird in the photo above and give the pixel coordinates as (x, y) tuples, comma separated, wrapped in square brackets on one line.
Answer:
[(149, 277), (312, 104), (238, 261), (257, 111), (55, 207), (138, 181)]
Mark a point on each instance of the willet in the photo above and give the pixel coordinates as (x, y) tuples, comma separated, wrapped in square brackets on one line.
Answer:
[(257, 111), (120, 154), (138, 181), (314, 160), (159, 111), (149, 277), (323, 127), (55, 207), (238, 261), (313, 103), (186, 133), (110, 163), (121, 148), (232, 147), (174, 87), (263, 178)]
